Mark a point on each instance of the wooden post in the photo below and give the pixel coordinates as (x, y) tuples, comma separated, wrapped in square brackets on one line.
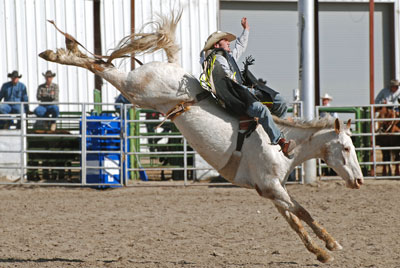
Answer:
[(132, 30), (98, 81), (316, 59), (371, 53), (371, 70)]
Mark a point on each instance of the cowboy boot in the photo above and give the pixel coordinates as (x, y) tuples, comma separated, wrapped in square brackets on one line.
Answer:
[(287, 147)]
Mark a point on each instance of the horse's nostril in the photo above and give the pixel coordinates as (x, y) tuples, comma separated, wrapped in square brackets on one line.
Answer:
[(360, 181)]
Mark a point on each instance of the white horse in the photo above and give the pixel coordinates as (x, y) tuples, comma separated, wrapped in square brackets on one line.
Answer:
[(212, 132)]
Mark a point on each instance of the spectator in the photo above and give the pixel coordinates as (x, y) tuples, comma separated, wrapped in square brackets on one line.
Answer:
[(120, 99), (13, 91), (326, 101), (48, 92), (390, 95)]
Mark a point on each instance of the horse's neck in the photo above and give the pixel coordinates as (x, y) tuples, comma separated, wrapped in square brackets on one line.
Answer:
[(310, 142)]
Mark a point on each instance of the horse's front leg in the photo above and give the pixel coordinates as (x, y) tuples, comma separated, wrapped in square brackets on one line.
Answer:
[(321, 232), (285, 206), (296, 225)]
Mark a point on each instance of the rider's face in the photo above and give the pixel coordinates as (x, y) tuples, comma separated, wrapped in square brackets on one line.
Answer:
[(224, 44)]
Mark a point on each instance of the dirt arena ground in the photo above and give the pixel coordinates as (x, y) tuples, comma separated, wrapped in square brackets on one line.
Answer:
[(193, 227)]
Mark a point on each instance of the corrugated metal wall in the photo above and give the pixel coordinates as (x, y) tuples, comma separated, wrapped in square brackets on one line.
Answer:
[(24, 33)]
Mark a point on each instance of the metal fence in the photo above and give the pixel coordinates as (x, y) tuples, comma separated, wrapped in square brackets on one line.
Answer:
[(122, 154), (54, 157)]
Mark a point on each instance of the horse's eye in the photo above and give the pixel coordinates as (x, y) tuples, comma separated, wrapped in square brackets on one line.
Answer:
[(347, 149)]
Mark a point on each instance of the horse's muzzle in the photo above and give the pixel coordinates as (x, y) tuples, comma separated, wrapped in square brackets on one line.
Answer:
[(358, 183)]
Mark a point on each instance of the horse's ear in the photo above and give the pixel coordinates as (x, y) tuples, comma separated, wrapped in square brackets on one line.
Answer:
[(337, 125), (348, 125)]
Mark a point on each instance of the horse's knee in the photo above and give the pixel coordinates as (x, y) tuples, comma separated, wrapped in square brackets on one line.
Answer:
[(267, 193)]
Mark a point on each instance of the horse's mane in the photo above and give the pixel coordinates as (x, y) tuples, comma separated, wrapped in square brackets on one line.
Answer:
[(324, 123)]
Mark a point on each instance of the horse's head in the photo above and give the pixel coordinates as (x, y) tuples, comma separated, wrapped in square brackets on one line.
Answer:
[(340, 155), (388, 126)]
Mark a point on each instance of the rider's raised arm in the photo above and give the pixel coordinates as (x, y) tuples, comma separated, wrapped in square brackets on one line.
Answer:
[(241, 42)]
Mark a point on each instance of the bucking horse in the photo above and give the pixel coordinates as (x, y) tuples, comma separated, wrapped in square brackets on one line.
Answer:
[(212, 131)]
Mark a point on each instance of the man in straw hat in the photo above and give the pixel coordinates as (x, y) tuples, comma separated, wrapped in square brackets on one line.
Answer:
[(326, 101), (230, 85), (48, 92), (13, 91), (389, 95)]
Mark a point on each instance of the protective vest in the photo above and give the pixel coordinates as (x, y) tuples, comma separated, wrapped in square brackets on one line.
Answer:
[(233, 94)]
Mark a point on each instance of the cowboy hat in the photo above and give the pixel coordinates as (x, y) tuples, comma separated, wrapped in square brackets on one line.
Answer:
[(14, 74), (394, 83), (217, 36), (49, 74), (327, 96)]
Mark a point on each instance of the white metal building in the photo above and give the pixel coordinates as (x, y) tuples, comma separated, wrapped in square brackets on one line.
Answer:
[(24, 33)]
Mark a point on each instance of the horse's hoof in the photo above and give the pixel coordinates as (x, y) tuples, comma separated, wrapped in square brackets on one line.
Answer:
[(334, 246), (324, 258)]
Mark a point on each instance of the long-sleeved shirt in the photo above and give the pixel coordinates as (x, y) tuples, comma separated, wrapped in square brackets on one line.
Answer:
[(323, 114), (222, 67), (47, 93), (387, 96), (14, 93)]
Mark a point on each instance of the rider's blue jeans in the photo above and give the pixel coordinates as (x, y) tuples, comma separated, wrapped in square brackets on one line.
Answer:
[(279, 108), (257, 109)]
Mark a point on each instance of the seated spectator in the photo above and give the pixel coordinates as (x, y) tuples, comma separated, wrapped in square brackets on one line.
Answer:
[(13, 91), (326, 101), (48, 92), (120, 99)]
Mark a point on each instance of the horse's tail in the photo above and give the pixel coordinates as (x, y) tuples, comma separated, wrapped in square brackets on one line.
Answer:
[(162, 38)]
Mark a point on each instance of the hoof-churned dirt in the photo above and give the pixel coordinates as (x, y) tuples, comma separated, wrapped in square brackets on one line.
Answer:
[(193, 227)]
